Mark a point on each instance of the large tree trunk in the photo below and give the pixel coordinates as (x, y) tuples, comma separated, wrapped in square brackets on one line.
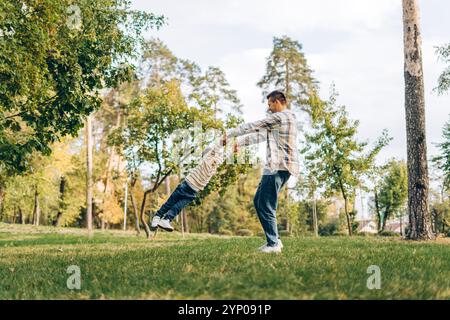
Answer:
[(89, 191), (418, 211)]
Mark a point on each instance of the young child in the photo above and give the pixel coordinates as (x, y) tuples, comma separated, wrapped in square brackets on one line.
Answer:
[(196, 181)]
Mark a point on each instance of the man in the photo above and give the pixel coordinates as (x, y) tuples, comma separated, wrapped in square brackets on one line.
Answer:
[(280, 129)]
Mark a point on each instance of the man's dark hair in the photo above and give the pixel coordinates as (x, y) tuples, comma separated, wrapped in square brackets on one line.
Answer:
[(277, 95)]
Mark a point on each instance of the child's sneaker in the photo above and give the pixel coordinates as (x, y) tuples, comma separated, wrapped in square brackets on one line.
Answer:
[(165, 224), (155, 222)]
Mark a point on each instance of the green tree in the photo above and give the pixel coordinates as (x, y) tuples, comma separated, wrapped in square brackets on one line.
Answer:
[(393, 192), (440, 212), (158, 63), (55, 57), (442, 161), (55, 183), (288, 70), (444, 78), (334, 156), (153, 118), (213, 89), (209, 88)]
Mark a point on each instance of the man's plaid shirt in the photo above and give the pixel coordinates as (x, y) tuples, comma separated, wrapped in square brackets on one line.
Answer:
[(280, 131)]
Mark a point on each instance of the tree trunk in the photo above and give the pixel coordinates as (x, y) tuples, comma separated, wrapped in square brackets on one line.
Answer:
[(315, 223), (377, 209), (144, 223), (125, 206), (185, 221), (383, 226), (109, 169), (418, 184), (401, 224), (287, 85), (182, 222), (21, 218), (62, 188), (349, 225), (344, 195), (2, 196), (436, 222), (89, 191), (37, 209), (135, 211), (286, 208)]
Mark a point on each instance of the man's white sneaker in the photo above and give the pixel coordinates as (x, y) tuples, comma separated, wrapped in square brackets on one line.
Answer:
[(155, 222), (265, 245), (165, 224), (274, 249)]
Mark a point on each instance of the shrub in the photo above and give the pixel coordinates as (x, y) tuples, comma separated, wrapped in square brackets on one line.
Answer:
[(225, 232), (328, 229), (284, 233), (387, 233), (244, 233), (365, 234)]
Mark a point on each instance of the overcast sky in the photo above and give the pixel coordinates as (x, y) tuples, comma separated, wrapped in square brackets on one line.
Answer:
[(357, 44)]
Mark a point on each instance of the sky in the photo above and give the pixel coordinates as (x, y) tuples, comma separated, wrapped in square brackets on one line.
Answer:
[(355, 44)]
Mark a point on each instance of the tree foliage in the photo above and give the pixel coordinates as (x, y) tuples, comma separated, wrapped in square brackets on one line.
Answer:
[(55, 57), (288, 70), (393, 191), (333, 155)]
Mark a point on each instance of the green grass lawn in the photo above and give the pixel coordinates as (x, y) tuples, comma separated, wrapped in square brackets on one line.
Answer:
[(119, 265)]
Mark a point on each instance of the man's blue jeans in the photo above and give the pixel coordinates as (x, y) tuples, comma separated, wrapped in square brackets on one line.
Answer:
[(266, 203), (180, 198)]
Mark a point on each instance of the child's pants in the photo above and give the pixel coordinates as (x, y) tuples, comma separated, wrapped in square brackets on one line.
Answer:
[(180, 198)]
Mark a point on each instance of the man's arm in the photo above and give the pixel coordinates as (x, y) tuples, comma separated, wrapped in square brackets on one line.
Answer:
[(251, 139), (251, 127), (247, 140)]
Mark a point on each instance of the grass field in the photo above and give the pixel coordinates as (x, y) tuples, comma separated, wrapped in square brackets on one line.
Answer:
[(119, 265)]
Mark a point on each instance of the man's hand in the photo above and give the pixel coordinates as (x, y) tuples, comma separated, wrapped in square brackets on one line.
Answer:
[(235, 147), (224, 139)]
